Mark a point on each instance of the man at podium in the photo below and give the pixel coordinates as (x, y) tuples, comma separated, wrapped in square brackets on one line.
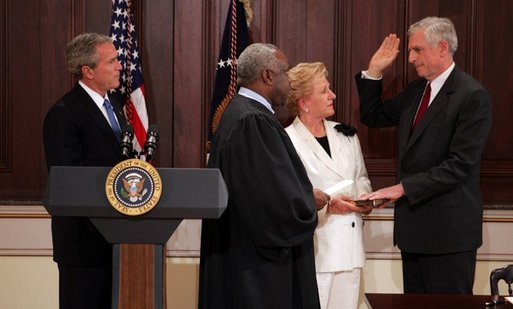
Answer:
[(83, 129)]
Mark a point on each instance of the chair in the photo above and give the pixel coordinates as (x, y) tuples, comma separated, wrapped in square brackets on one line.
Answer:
[(505, 273)]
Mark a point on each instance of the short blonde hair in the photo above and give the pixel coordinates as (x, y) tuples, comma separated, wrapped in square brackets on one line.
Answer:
[(303, 78)]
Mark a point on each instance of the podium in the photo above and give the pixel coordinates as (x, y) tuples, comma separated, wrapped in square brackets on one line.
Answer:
[(138, 241)]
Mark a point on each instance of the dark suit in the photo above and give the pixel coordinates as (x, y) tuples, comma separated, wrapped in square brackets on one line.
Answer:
[(438, 165), (76, 133)]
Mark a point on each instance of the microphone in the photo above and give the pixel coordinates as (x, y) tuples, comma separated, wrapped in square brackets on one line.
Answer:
[(127, 136), (152, 138)]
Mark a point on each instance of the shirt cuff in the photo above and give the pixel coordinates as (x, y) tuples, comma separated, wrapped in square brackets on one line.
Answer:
[(365, 76)]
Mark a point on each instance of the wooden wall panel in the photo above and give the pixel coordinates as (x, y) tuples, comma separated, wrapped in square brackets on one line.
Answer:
[(54, 77), (305, 31), (156, 33), (189, 97), (340, 81), (262, 28), (4, 101), (23, 69), (179, 44), (291, 33), (368, 27), (96, 15), (495, 67), (497, 76)]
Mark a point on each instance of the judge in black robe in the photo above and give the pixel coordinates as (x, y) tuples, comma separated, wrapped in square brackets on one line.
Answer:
[(259, 254)]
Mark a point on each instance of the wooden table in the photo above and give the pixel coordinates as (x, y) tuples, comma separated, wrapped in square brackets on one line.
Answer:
[(423, 301)]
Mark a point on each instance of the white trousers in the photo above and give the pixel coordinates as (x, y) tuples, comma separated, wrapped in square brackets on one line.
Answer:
[(339, 290)]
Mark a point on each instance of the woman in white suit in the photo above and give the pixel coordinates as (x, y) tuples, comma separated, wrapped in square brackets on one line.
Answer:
[(330, 153)]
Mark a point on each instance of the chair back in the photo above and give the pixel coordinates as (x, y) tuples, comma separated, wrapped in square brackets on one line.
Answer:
[(505, 273)]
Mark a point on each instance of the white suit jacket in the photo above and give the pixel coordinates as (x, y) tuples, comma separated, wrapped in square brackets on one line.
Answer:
[(338, 239)]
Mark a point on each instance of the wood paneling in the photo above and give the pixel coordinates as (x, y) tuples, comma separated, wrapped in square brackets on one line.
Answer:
[(369, 25), (4, 101), (54, 78), (495, 69), (179, 43), (189, 97), (305, 32), (22, 71), (156, 37)]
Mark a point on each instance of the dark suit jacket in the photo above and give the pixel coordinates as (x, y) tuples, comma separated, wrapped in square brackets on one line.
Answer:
[(439, 165), (76, 133)]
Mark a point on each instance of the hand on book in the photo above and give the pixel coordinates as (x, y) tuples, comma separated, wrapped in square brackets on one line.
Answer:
[(342, 204)]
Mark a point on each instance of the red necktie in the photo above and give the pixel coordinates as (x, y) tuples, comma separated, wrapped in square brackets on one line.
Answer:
[(423, 105)]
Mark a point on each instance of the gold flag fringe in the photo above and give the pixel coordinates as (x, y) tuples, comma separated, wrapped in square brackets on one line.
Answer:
[(248, 10)]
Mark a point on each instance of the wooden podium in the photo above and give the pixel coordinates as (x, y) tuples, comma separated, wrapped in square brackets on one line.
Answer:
[(138, 241)]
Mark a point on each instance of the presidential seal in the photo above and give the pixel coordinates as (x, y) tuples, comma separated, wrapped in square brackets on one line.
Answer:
[(133, 187)]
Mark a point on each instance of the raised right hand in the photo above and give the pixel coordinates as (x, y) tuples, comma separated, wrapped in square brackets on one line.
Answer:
[(384, 56)]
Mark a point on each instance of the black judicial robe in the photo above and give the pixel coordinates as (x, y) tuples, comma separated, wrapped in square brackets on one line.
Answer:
[(259, 254)]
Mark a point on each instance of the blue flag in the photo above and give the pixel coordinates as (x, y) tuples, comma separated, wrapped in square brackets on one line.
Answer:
[(235, 40)]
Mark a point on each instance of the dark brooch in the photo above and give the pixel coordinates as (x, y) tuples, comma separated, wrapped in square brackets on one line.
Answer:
[(346, 129)]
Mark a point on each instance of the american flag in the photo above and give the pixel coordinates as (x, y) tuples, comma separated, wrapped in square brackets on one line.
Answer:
[(131, 89), (235, 40)]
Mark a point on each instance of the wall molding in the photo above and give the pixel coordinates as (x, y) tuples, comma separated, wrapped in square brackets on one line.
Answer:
[(28, 227)]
